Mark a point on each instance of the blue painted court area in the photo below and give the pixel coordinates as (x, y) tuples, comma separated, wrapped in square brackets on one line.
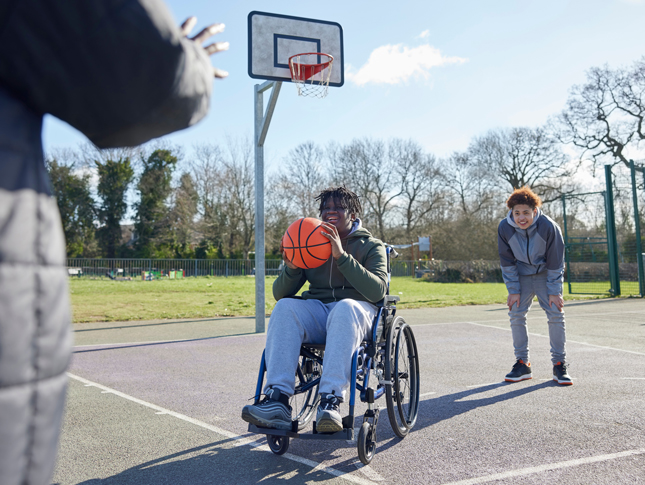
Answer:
[(160, 402)]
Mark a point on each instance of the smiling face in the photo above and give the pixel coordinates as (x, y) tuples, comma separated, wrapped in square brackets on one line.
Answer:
[(523, 215), (333, 213)]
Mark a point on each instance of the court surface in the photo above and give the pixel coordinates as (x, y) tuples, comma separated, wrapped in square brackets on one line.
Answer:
[(160, 401)]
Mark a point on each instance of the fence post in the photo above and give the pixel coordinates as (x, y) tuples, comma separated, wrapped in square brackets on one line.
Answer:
[(612, 242), (637, 230), (566, 241)]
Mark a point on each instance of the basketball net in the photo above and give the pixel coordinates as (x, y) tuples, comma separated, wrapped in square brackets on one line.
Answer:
[(311, 73)]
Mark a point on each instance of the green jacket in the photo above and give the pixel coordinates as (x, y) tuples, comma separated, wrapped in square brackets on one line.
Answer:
[(360, 273)]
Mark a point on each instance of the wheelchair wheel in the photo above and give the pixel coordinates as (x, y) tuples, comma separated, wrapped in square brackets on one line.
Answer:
[(278, 444), (366, 443), (304, 403), (402, 370)]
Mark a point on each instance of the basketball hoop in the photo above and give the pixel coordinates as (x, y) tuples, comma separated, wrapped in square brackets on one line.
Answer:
[(311, 73)]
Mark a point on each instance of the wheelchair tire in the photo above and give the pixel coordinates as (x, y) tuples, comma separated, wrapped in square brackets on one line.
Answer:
[(366, 443), (304, 404), (402, 371), (278, 444)]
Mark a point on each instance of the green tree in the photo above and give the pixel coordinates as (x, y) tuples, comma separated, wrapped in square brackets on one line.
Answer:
[(115, 177), (152, 223), (75, 203)]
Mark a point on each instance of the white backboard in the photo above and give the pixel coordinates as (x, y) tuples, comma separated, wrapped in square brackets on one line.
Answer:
[(273, 38)]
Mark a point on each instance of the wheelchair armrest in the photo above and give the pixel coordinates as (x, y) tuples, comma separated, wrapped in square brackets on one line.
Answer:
[(391, 299)]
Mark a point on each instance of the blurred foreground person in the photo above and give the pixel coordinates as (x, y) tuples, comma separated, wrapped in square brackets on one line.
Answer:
[(122, 73)]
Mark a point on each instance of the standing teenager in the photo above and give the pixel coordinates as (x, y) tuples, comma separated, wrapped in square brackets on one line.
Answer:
[(531, 252)]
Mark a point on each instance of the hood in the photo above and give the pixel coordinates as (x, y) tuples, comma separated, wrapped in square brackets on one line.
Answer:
[(509, 219), (358, 230)]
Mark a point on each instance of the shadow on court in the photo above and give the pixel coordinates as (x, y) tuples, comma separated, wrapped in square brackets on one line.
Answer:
[(216, 462), (433, 411)]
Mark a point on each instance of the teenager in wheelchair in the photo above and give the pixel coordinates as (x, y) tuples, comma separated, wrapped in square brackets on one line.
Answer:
[(340, 337)]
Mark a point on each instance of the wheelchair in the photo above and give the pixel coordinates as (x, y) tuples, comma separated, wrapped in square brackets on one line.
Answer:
[(386, 365)]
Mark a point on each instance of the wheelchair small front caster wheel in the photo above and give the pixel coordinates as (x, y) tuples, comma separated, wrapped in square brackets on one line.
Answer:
[(278, 444), (366, 443)]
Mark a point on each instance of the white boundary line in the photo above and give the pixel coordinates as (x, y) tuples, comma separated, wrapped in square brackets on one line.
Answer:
[(572, 341), (196, 339), (241, 441), (548, 467)]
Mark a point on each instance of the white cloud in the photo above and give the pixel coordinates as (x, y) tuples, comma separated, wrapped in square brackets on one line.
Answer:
[(424, 34), (394, 64)]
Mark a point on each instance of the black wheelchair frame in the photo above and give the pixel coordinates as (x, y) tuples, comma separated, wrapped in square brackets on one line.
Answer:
[(390, 358)]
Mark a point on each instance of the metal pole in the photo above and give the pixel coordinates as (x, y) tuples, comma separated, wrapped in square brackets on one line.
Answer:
[(262, 122), (612, 243), (637, 230)]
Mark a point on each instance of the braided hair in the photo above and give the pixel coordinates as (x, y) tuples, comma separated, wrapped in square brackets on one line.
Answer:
[(341, 196)]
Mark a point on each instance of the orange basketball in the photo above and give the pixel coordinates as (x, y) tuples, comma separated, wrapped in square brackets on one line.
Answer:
[(305, 246)]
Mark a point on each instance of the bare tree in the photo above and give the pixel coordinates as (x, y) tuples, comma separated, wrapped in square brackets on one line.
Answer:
[(421, 182), (604, 117), (304, 177), (239, 175), (369, 168), (473, 185), (524, 156), (206, 167)]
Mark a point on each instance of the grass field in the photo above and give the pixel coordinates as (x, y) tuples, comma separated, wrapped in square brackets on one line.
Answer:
[(106, 300)]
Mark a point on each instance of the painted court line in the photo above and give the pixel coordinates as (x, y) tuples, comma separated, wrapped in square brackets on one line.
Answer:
[(151, 342), (426, 394), (241, 441), (548, 467), (568, 340)]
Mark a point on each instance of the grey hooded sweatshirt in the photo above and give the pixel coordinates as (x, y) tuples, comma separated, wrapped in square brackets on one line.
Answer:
[(530, 251)]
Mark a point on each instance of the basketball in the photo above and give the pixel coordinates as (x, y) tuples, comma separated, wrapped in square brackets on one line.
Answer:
[(304, 245)]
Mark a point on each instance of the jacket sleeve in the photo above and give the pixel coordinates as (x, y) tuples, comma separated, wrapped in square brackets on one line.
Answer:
[(554, 260), (119, 71), (369, 278), (288, 283), (507, 259)]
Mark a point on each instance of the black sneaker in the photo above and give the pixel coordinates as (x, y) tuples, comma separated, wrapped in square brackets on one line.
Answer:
[(272, 412), (520, 372), (560, 374), (328, 419)]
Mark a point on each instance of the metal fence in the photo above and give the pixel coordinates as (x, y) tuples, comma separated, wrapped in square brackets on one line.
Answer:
[(439, 271), (135, 268)]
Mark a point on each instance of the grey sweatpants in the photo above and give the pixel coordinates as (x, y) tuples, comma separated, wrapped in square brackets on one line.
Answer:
[(341, 325), (531, 286)]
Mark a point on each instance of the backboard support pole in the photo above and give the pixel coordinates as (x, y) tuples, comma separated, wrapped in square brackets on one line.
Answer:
[(262, 122)]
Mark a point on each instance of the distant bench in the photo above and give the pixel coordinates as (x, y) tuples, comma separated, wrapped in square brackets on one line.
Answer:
[(75, 272)]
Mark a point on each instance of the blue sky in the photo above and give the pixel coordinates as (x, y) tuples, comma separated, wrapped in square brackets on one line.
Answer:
[(505, 63)]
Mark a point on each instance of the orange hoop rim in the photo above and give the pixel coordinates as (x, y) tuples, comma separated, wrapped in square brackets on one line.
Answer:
[(331, 58)]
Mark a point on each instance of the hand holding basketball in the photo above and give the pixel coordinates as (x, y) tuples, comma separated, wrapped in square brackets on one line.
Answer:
[(284, 257), (331, 233), (304, 245)]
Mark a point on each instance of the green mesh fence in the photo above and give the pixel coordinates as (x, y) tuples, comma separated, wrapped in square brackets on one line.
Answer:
[(585, 240)]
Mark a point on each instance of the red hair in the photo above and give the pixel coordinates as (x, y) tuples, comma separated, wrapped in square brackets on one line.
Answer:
[(524, 196)]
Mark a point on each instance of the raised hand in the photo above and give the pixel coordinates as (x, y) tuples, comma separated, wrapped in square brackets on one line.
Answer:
[(203, 36)]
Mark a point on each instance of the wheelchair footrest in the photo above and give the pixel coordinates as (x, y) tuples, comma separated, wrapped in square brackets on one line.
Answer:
[(272, 431), (345, 434)]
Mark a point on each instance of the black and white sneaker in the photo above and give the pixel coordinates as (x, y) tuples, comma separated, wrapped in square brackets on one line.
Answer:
[(272, 412), (328, 419), (520, 372), (560, 374)]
